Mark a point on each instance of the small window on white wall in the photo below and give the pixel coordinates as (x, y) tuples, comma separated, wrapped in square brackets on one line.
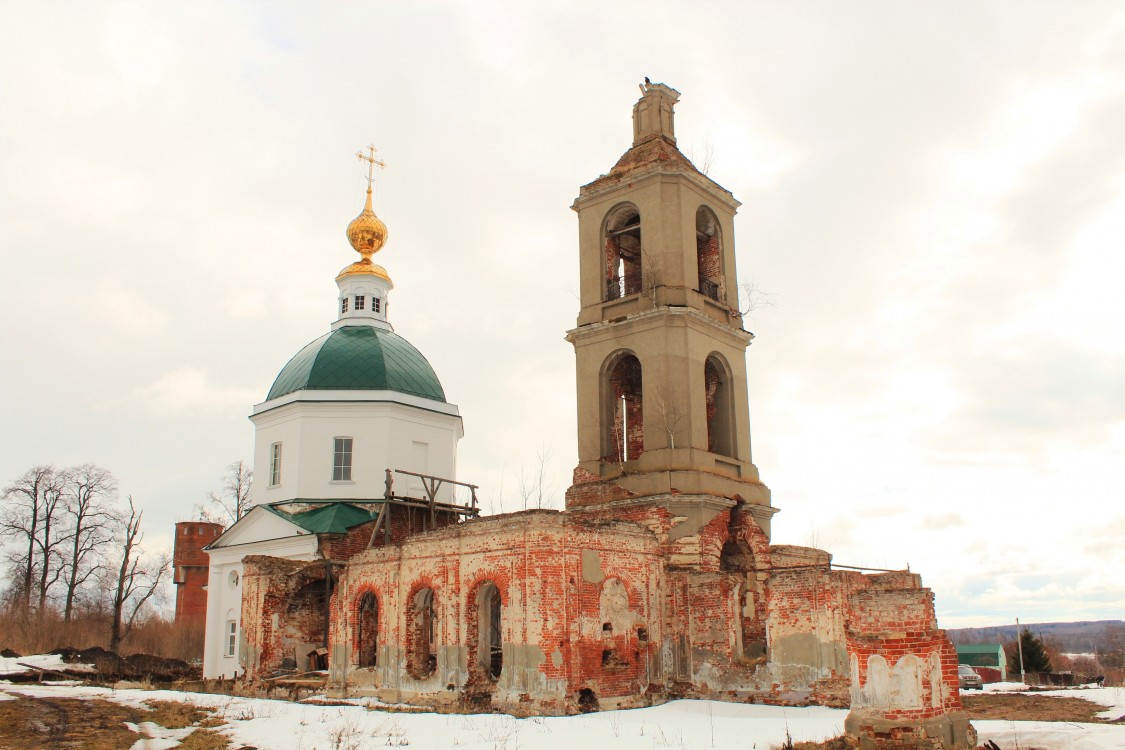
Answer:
[(342, 459), (359, 301), (275, 464), (344, 305), (232, 636), (376, 303)]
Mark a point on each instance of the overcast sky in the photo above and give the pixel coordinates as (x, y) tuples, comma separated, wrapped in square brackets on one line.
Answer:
[(933, 194)]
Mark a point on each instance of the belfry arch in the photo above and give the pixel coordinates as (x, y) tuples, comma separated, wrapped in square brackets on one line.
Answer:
[(720, 407), (623, 408), (623, 255), (709, 254)]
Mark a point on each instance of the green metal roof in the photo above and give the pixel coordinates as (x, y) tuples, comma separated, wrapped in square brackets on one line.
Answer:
[(359, 358), (331, 519), (981, 654)]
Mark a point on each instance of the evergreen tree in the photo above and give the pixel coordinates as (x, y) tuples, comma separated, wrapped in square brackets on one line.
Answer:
[(1035, 658)]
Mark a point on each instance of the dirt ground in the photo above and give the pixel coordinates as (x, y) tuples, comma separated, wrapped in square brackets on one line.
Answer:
[(64, 723), (1031, 707)]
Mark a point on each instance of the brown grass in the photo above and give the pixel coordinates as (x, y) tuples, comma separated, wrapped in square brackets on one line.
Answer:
[(1030, 707), (91, 724), (33, 723), (175, 715)]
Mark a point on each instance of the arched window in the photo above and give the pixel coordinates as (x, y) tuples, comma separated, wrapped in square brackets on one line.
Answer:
[(720, 421), (623, 410), (367, 630), (490, 644), (708, 253), (622, 252), (422, 654)]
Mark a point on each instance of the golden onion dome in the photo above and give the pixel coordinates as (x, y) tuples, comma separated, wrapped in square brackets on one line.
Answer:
[(367, 233), (364, 267)]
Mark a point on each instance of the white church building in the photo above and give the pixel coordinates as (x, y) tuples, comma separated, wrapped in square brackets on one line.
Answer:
[(346, 410)]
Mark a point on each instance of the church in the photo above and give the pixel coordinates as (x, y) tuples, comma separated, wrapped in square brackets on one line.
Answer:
[(365, 561)]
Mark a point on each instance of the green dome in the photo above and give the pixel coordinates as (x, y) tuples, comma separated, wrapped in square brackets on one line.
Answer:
[(359, 358)]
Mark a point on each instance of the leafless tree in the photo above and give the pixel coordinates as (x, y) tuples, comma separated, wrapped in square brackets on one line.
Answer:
[(752, 299), (238, 486), (88, 491), (533, 481), (671, 411), (30, 517), (137, 578)]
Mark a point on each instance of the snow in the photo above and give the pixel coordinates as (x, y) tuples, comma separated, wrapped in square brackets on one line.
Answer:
[(685, 725), (156, 737), (43, 661)]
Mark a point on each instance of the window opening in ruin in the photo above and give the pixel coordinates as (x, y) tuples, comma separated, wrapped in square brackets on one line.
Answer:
[(490, 647), (607, 627), (587, 701), (367, 630), (422, 659), (642, 635), (624, 411), (342, 459), (623, 253), (708, 253), (720, 420)]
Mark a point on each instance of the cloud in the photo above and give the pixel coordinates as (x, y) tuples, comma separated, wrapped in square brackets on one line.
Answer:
[(191, 391)]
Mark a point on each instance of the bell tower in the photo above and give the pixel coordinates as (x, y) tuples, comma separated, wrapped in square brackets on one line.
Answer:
[(659, 345)]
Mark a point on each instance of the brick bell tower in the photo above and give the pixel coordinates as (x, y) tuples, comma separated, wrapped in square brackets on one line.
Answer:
[(659, 345)]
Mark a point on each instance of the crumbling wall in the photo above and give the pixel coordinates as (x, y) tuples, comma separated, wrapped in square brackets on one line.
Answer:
[(561, 583), (283, 615), (904, 686)]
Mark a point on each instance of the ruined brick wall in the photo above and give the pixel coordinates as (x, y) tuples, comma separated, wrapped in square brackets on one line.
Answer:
[(904, 686), (283, 614), (580, 612), (190, 564)]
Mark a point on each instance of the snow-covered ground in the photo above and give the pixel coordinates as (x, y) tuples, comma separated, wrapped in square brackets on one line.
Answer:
[(279, 725), (43, 661)]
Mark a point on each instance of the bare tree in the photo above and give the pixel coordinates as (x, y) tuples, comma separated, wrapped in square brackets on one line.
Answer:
[(30, 517), (533, 482), (137, 578), (238, 486), (752, 299), (23, 505), (671, 411), (88, 491)]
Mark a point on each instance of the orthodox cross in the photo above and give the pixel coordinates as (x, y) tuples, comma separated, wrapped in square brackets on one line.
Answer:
[(372, 162)]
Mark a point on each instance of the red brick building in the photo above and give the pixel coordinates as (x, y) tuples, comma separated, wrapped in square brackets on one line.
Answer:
[(189, 565)]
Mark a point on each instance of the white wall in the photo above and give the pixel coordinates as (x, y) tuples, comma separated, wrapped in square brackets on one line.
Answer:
[(385, 434)]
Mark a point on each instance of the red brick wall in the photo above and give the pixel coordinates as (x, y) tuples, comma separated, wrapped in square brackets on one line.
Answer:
[(190, 568)]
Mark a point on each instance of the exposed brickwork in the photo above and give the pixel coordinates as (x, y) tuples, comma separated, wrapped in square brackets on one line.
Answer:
[(189, 563)]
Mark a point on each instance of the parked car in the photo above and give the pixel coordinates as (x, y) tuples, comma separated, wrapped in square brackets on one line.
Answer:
[(968, 678)]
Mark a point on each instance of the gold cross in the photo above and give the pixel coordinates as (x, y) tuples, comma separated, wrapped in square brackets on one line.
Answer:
[(372, 162)]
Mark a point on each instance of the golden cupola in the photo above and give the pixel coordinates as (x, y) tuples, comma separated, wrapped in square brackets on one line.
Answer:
[(367, 234), (365, 286)]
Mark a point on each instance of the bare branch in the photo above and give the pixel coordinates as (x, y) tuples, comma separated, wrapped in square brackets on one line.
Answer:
[(235, 497)]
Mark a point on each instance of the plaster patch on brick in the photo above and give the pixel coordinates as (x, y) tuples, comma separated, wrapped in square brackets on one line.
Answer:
[(592, 566)]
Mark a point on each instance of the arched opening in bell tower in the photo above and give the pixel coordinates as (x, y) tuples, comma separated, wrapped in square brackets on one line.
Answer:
[(623, 409), (708, 253), (720, 417), (622, 252)]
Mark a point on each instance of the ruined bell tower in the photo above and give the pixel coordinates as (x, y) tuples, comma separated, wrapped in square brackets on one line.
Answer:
[(660, 346)]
